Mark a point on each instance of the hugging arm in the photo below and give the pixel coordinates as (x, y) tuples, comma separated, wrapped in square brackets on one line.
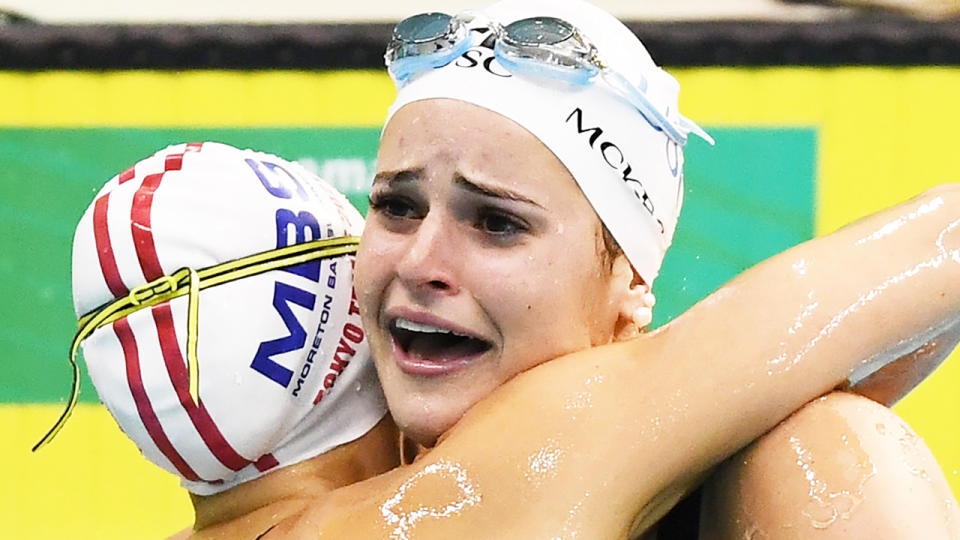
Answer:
[(881, 301), (603, 441), (844, 465)]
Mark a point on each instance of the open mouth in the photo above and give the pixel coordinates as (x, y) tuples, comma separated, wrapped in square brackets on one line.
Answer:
[(430, 343)]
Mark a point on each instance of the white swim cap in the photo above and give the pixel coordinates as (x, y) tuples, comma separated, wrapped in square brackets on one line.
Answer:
[(282, 365), (630, 171)]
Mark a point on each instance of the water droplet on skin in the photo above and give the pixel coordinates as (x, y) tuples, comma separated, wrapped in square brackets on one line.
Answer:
[(573, 524), (913, 273), (542, 465), (834, 476), (881, 429), (579, 401), (780, 363), (893, 226), (447, 491), (821, 514), (911, 452), (359, 388), (800, 267)]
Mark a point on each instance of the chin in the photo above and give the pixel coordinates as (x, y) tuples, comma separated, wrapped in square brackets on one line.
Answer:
[(426, 408)]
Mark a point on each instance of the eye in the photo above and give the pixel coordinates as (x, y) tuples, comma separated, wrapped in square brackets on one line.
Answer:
[(499, 223), (393, 206)]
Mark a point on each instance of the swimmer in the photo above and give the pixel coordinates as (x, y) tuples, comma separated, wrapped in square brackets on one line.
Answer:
[(260, 384)]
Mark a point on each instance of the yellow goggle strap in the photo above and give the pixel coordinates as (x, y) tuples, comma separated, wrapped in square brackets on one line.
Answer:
[(188, 281), (193, 335)]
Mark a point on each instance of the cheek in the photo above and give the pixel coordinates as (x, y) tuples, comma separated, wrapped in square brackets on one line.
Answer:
[(378, 247), (507, 287), (373, 268), (562, 302), (540, 301), (362, 279)]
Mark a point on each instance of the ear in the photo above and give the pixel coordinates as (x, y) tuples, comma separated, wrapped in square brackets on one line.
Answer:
[(636, 301)]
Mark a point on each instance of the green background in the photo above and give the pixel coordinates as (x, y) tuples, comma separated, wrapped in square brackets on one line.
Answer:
[(733, 217)]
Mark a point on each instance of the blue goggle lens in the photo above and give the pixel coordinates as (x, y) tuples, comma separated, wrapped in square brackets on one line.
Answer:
[(422, 28), (538, 31)]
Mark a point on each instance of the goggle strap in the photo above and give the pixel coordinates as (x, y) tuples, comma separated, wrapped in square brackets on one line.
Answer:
[(691, 127), (71, 402), (403, 67), (165, 287), (642, 104), (190, 282), (193, 322)]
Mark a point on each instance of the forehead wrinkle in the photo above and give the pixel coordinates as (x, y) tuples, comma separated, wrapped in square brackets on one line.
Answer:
[(488, 190)]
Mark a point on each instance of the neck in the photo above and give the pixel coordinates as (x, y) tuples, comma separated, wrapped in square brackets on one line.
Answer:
[(290, 489)]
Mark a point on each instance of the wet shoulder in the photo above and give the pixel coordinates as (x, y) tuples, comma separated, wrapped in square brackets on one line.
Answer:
[(843, 466)]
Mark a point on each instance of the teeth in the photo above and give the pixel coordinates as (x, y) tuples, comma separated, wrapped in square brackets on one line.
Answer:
[(411, 326)]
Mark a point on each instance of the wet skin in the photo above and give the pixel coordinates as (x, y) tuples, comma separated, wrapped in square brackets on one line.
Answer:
[(602, 441), (843, 467)]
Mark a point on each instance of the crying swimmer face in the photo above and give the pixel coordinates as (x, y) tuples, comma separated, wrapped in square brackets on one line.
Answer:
[(480, 259)]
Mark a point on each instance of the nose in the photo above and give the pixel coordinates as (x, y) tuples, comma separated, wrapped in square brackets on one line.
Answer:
[(428, 266)]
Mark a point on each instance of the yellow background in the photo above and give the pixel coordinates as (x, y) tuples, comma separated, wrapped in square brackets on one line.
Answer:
[(884, 134)]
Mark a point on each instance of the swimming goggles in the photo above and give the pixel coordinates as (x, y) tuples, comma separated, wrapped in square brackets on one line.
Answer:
[(540, 46), (190, 282)]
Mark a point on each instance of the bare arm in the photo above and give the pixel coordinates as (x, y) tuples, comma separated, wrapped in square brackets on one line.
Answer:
[(607, 439)]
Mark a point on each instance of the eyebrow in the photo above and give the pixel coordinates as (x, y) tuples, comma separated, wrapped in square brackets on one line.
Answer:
[(492, 191), (414, 175), (396, 177)]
